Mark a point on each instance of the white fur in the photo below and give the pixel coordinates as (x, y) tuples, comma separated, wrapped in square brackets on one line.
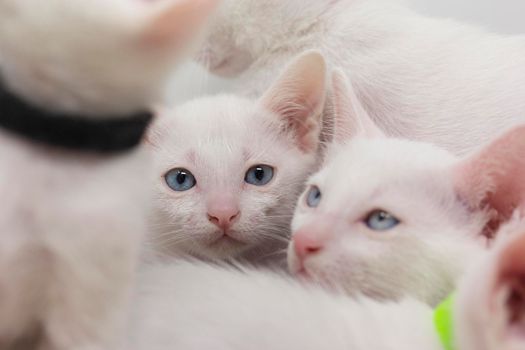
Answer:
[(218, 139), (66, 266), (71, 223), (226, 309), (424, 255), (447, 207), (221, 309), (426, 79), (106, 41), (489, 306)]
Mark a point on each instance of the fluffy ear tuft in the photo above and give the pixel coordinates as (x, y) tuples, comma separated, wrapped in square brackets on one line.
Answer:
[(350, 118), (175, 22), (298, 97), (494, 178)]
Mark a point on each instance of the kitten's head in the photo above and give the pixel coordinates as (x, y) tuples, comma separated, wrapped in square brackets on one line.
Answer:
[(97, 56), (244, 30), (230, 169), (489, 311), (390, 217)]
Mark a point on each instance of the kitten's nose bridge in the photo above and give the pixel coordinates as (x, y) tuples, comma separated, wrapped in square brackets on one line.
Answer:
[(223, 210)]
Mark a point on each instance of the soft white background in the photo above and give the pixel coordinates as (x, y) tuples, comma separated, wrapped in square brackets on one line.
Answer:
[(501, 16)]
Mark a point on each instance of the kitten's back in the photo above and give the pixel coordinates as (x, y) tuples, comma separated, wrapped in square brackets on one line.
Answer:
[(193, 306)]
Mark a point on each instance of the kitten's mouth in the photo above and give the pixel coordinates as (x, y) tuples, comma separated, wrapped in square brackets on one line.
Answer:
[(302, 273), (227, 239)]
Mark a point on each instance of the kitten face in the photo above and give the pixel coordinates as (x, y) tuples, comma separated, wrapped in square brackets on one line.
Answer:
[(107, 44), (218, 140), (364, 250), (230, 169), (390, 217)]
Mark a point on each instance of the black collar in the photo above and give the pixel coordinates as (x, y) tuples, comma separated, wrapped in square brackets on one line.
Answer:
[(75, 132)]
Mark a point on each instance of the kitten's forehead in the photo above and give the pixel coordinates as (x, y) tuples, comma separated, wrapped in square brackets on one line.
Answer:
[(366, 166), (220, 118), (223, 133)]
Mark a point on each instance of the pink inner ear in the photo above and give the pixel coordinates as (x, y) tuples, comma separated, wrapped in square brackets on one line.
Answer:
[(512, 278), (494, 178), (297, 98)]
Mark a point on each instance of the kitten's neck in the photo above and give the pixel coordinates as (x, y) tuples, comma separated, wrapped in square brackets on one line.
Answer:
[(73, 132)]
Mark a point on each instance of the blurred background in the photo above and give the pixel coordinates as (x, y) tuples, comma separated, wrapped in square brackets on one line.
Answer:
[(500, 16)]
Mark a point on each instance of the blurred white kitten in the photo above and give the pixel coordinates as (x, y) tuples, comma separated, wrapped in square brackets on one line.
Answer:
[(230, 169), (390, 217), (421, 78), (71, 220), (222, 309)]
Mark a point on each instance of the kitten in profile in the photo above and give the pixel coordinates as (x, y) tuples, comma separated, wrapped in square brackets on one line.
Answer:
[(229, 169), (71, 219), (420, 78), (218, 308), (390, 217)]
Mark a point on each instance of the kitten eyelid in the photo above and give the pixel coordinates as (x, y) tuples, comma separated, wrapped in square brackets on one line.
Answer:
[(362, 219)]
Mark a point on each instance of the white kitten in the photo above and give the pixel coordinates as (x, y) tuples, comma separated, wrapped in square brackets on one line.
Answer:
[(390, 217), (70, 222), (421, 78), (230, 169), (228, 310), (99, 76)]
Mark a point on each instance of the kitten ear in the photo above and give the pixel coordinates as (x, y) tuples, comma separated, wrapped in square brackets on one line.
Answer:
[(154, 131), (175, 22), (494, 178), (492, 301), (298, 96), (350, 117)]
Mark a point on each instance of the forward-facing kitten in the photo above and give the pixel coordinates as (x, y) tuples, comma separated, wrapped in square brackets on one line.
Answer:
[(230, 169), (391, 217), (71, 221), (420, 78), (217, 308)]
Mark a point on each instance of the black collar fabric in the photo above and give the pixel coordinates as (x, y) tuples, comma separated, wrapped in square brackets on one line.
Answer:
[(74, 132)]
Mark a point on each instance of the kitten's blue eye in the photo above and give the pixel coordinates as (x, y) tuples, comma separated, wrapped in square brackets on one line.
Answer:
[(180, 179), (380, 220), (259, 175), (313, 198)]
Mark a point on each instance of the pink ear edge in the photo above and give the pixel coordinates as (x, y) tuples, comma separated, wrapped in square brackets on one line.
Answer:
[(511, 276), (492, 179)]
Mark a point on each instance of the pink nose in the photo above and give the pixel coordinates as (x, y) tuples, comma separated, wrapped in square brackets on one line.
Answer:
[(223, 209), (223, 219), (311, 239), (305, 244)]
